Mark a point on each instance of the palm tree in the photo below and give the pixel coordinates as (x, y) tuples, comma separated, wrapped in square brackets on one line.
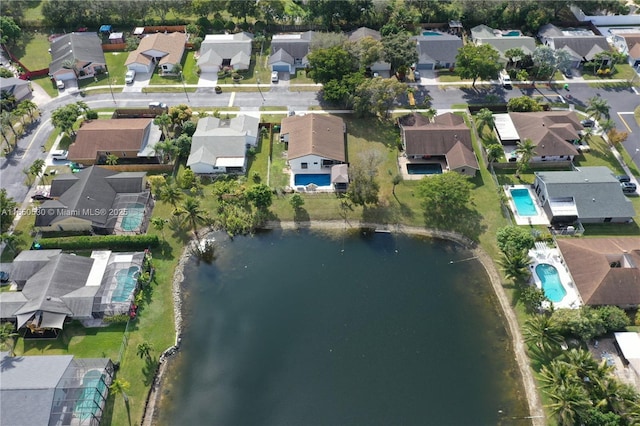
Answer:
[(541, 332), (484, 118), (515, 265), (112, 160), (7, 336), (526, 151), (607, 125), (557, 375), (120, 386), (6, 118), (29, 106), (163, 121), (37, 167), (9, 241), (158, 224), (495, 151), (569, 404), (144, 350), (171, 194), (193, 214), (582, 361), (598, 107)]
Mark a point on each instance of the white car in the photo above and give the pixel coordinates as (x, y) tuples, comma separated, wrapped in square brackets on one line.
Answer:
[(129, 76), (60, 84), (59, 154), (274, 76)]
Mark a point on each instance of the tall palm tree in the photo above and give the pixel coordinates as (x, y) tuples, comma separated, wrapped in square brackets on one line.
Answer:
[(526, 150), (6, 118), (541, 331), (569, 404), (170, 193), (163, 121), (495, 151), (144, 350), (557, 375), (120, 386), (7, 336), (484, 118), (37, 167), (607, 125), (193, 214), (515, 265), (30, 107), (582, 361), (598, 107)]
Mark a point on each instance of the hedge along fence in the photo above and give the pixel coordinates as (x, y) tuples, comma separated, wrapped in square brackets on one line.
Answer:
[(92, 242)]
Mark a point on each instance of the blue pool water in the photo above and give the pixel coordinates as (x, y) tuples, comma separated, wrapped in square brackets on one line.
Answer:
[(127, 280), (430, 33), (133, 217), (424, 169), (317, 179), (523, 201), (551, 285), (511, 34), (92, 395)]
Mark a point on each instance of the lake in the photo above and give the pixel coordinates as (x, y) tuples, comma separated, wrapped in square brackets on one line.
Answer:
[(310, 328)]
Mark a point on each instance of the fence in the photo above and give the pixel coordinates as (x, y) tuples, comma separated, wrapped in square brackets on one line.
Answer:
[(26, 74), (114, 47)]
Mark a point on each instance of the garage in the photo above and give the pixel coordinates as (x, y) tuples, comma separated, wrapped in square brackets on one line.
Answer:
[(65, 75), (139, 63), (428, 66)]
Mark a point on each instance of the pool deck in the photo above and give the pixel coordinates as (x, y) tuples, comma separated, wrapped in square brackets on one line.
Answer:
[(538, 219), (310, 188), (404, 172), (551, 256)]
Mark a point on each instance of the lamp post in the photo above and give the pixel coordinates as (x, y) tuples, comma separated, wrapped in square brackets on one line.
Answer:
[(110, 88), (184, 87), (258, 80)]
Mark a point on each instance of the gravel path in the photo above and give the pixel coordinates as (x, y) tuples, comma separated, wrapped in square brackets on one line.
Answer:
[(536, 411)]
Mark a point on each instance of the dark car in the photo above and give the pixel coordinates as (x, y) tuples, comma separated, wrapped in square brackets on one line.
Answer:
[(40, 197), (588, 123), (623, 178), (4, 277), (628, 187), (567, 73)]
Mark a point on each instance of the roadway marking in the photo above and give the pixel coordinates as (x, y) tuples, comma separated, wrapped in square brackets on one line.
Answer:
[(232, 98), (40, 127), (624, 122)]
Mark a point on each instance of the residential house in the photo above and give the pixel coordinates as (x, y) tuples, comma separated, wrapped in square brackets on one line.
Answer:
[(289, 51), (503, 40), (132, 140), (315, 143), (97, 200), (28, 262), (165, 50), (225, 50), (581, 43), (381, 68), (606, 271), (585, 195), (553, 133), (19, 89), (220, 146), (53, 390), (73, 287), (629, 44), (76, 56), (446, 140), (437, 50)]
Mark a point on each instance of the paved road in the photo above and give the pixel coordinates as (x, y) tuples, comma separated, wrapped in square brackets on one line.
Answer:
[(29, 147)]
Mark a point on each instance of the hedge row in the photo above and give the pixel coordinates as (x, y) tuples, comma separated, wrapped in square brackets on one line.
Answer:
[(91, 242)]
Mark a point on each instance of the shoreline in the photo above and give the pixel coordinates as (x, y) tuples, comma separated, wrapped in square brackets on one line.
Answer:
[(536, 410)]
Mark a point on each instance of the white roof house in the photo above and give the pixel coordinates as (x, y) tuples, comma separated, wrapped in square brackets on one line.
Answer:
[(225, 50), (220, 146)]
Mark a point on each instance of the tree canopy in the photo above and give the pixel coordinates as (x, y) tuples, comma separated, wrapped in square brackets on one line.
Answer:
[(400, 50), (523, 104), (514, 239), (10, 32), (7, 210), (444, 196), (377, 96), (478, 61), (330, 64)]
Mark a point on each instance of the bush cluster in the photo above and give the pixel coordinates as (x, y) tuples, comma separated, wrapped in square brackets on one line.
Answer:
[(91, 242)]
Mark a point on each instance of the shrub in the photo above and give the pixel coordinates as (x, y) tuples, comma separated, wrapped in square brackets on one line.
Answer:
[(93, 242), (91, 115), (116, 319)]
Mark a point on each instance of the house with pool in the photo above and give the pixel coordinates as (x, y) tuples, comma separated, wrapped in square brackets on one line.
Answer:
[(71, 287), (431, 147), (583, 195), (555, 134), (97, 200), (316, 143), (53, 390), (503, 40), (550, 274), (606, 271)]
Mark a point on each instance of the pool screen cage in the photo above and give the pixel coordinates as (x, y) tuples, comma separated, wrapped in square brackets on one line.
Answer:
[(81, 393), (104, 304), (127, 201)]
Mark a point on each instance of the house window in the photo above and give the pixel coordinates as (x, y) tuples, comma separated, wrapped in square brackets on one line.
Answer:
[(315, 163), (304, 165), (607, 219), (124, 154)]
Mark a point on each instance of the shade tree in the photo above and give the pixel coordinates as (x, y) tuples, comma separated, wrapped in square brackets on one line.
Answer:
[(478, 62)]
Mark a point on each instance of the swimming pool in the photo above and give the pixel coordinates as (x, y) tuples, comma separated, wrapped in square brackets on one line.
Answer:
[(551, 284), (93, 393), (514, 33), (523, 202), (424, 169), (430, 33), (316, 179), (127, 280), (133, 217)]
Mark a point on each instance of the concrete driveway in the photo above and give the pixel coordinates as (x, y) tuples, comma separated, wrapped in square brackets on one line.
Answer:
[(208, 79), (141, 80)]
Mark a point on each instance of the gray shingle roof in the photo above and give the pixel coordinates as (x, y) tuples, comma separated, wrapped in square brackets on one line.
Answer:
[(28, 262), (442, 48), (217, 47), (296, 45), (281, 56), (363, 32), (84, 47)]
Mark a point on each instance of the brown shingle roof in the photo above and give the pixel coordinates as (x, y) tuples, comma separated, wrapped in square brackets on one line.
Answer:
[(548, 130), (448, 131), (589, 261), (171, 44), (125, 134), (317, 134)]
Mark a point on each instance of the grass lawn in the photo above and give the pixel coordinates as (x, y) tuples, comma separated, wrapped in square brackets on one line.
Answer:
[(446, 76), (33, 50), (47, 84), (636, 114), (259, 163), (622, 71), (277, 178), (163, 89), (258, 70), (600, 155), (300, 77), (189, 69)]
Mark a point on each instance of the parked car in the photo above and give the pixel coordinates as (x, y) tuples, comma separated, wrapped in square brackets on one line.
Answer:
[(588, 123), (41, 196), (274, 76), (416, 76), (623, 178), (628, 187), (567, 73), (130, 76), (157, 105), (4, 277), (59, 154), (60, 84)]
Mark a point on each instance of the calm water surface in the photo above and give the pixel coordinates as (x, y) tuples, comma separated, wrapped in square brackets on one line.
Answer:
[(370, 329)]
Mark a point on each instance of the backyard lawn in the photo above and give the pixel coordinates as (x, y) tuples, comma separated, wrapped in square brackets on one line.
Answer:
[(33, 50)]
